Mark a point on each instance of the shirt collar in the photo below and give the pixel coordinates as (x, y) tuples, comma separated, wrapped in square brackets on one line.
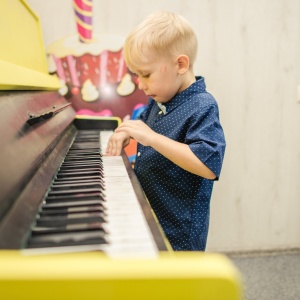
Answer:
[(195, 88), (162, 107)]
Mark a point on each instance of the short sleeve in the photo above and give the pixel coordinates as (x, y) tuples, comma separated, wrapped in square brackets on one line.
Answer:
[(206, 138)]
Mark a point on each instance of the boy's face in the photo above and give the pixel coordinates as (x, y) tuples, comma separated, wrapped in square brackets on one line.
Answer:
[(159, 78)]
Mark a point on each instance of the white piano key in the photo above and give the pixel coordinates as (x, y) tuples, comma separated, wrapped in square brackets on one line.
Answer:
[(104, 137), (128, 232)]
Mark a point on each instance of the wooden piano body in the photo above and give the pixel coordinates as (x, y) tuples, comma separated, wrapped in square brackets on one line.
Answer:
[(37, 129)]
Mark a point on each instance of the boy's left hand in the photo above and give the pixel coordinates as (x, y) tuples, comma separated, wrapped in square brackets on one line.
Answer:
[(138, 130)]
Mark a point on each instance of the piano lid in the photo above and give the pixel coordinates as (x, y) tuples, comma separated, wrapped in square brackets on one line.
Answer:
[(23, 61)]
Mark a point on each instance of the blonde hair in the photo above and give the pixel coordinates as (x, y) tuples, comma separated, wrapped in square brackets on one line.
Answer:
[(163, 32)]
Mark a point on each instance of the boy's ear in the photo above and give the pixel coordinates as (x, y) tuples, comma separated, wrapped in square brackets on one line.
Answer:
[(183, 63)]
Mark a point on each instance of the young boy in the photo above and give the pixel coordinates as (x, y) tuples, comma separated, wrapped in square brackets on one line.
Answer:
[(180, 139)]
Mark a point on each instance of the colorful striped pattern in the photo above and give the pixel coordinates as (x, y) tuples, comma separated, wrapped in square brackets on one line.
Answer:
[(84, 17)]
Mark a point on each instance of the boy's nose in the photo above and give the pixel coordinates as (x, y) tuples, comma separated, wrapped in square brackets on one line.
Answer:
[(141, 85)]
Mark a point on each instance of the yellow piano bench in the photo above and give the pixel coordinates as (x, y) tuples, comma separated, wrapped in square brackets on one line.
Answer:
[(184, 276)]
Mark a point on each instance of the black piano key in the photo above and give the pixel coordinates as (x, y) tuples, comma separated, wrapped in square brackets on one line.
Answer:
[(86, 179), (76, 186), (87, 132), (38, 230), (76, 169), (72, 167), (92, 145), (89, 139), (83, 177), (73, 174), (89, 142), (83, 152), (69, 210), (94, 154), (86, 140), (76, 218), (67, 239), (81, 158), (74, 192), (77, 159), (78, 197), (90, 136), (70, 171), (79, 183), (70, 203), (78, 174), (82, 162), (82, 165)]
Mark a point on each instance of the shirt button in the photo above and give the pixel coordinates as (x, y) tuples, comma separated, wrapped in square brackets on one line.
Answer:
[(139, 153), (160, 112)]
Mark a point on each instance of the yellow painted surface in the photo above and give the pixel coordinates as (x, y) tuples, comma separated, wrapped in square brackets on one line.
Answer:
[(14, 77), (23, 61), (91, 275)]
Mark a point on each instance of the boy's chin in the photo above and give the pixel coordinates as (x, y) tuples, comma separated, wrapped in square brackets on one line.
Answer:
[(159, 100)]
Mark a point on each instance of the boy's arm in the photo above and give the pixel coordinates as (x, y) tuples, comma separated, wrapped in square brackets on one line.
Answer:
[(179, 153)]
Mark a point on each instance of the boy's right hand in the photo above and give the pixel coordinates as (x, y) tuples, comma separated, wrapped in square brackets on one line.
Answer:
[(116, 143)]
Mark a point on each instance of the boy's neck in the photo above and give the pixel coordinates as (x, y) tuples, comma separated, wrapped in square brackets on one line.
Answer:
[(187, 80)]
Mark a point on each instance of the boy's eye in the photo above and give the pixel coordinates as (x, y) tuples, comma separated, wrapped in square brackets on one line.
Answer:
[(146, 76)]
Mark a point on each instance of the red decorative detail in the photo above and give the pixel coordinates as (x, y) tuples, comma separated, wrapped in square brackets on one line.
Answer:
[(84, 33), (105, 71), (83, 6), (75, 90)]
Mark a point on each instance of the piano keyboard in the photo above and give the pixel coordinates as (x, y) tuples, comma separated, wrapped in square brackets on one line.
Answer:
[(91, 205)]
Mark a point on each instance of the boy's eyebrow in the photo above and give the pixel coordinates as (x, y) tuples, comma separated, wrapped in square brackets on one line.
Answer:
[(141, 72)]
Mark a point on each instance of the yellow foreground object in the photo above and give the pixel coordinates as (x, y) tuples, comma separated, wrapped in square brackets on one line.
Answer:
[(183, 276)]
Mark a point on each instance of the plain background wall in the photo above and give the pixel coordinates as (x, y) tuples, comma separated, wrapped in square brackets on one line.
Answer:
[(249, 54)]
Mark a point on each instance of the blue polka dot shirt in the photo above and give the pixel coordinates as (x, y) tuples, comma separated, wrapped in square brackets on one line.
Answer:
[(180, 199)]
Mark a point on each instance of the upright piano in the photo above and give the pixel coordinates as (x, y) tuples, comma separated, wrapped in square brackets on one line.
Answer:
[(61, 193), (74, 223)]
